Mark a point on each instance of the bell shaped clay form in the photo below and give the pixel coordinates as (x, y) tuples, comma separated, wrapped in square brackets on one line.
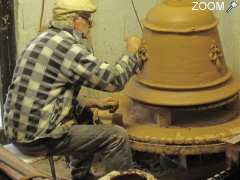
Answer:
[(186, 65)]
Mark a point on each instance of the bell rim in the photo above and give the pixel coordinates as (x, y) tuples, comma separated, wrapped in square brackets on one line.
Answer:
[(163, 97), (190, 87)]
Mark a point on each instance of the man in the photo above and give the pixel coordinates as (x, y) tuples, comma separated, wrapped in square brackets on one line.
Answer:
[(42, 98)]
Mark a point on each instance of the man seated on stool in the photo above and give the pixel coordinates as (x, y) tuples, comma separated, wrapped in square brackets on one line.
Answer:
[(42, 97)]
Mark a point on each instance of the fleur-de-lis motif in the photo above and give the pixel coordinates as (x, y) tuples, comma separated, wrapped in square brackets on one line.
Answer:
[(215, 55)]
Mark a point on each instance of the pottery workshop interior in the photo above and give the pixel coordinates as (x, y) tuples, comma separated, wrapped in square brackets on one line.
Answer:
[(119, 90)]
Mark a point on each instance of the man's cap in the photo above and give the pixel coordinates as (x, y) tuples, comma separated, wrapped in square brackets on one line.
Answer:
[(64, 8)]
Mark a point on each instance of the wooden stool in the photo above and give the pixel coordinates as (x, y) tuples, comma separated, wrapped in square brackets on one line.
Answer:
[(31, 159)]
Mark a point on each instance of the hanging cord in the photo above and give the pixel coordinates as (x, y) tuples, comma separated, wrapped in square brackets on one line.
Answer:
[(135, 11), (41, 18)]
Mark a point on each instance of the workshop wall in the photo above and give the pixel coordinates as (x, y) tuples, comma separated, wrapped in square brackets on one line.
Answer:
[(229, 27), (114, 22), (27, 19)]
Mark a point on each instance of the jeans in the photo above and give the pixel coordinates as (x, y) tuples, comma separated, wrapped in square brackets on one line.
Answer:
[(82, 143)]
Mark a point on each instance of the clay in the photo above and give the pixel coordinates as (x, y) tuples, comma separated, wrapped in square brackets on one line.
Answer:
[(177, 16), (133, 174), (193, 131), (188, 127), (185, 101), (189, 67), (162, 97), (186, 64)]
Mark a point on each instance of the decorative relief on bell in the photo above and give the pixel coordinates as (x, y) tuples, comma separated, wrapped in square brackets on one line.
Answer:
[(215, 55)]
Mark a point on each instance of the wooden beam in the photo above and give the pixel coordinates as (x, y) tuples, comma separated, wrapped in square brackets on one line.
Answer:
[(7, 45)]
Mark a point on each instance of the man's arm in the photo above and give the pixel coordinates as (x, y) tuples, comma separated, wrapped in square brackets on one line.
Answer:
[(85, 69)]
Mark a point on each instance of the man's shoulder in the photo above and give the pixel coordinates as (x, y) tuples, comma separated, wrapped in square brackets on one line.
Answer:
[(56, 35)]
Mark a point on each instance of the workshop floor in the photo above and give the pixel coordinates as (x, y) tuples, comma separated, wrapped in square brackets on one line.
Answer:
[(62, 170)]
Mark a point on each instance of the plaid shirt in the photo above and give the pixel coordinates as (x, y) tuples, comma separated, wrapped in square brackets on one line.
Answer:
[(51, 68)]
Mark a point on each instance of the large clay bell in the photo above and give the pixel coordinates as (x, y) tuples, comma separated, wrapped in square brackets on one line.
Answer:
[(186, 63)]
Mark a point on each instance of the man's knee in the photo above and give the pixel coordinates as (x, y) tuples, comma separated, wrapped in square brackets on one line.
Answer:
[(119, 133)]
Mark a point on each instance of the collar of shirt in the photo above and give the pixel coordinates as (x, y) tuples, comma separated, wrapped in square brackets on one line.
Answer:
[(76, 34)]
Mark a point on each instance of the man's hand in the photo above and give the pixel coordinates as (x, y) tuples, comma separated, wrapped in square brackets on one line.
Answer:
[(108, 103), (137, 46), (133, 44), (142, 54)]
